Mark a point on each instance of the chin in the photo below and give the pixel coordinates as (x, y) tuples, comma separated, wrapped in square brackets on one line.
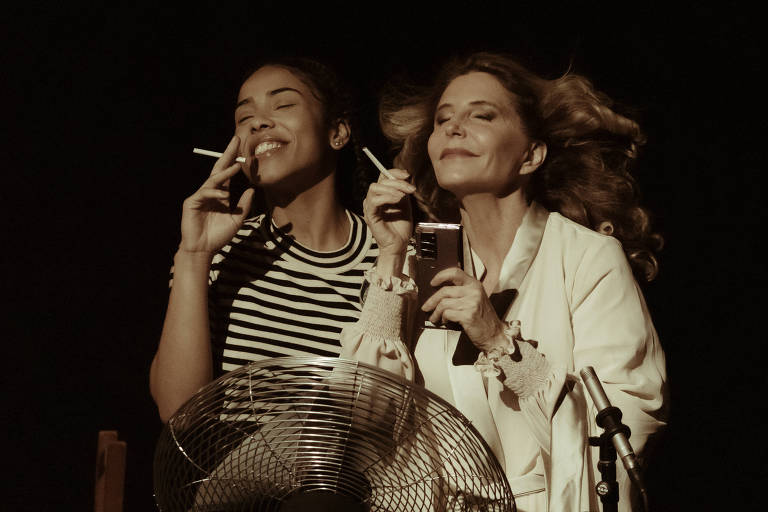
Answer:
[(273, 171), (451, 178), (268, 180)]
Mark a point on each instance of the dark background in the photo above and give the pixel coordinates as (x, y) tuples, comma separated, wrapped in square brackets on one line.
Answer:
[(103, 107)]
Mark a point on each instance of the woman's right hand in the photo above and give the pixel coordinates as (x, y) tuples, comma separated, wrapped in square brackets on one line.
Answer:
[(207, 223), (387, 212)]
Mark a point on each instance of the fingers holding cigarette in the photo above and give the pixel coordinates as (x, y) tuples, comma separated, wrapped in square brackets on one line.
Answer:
[(228, 158), (396, 175), (392, 189), (225, 168), (401, 176)]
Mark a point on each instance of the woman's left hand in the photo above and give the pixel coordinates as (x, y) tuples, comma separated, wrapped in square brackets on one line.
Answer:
[(462, 299)]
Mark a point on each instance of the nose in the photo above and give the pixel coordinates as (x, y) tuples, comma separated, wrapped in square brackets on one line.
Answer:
[(454, 127), (260, 122)]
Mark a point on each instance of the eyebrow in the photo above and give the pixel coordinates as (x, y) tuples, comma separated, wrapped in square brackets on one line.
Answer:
[(271, 93)]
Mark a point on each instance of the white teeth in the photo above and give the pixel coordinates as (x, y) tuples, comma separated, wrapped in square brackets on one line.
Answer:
[(266, 146)]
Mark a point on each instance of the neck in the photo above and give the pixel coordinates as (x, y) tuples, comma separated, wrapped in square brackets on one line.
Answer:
[(313, 217), (491, 223)]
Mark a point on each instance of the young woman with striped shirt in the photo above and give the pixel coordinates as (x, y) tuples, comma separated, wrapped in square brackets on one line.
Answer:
[(286, 281)]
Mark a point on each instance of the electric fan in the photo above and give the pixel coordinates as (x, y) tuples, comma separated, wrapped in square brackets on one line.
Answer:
[(305, 433)]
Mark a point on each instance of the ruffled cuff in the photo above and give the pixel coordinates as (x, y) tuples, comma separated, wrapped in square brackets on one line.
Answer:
[(391, 284), (384, 305), (527, 375), (525, 370)]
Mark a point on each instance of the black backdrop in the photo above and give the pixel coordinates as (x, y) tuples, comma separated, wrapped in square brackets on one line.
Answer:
[(103, 107)]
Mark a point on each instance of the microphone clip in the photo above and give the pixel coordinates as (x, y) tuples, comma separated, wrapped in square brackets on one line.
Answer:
[(609, 419)]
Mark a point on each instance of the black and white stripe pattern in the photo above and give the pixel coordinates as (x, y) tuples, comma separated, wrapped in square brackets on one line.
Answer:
[(271, 297)]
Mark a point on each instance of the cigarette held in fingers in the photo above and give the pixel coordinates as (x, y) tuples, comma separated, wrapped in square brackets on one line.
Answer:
[(383, 170), (215, 154)]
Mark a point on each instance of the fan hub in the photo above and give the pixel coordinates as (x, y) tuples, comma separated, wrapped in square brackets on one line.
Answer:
[(320, 501)]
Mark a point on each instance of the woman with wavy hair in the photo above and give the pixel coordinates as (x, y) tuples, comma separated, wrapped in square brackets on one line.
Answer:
[(538, 173)]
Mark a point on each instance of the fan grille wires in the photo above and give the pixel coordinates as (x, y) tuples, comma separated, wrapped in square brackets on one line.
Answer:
[(276, 431)]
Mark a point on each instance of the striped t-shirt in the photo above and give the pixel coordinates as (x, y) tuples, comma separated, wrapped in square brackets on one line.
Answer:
[(269, 296)]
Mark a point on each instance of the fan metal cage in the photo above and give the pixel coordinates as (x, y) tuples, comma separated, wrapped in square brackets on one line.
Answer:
[(305, 433)]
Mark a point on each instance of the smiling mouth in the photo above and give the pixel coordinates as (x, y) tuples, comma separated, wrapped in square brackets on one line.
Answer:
[(456, 153), (266, 147)]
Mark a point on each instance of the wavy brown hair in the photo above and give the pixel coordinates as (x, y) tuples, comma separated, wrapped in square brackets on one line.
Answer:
[(590, 151)]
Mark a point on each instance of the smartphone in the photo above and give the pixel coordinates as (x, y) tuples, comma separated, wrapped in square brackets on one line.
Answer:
[(237, 185), (438, 246)]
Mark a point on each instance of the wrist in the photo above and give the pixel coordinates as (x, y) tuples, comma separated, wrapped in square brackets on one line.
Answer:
[(502, 338), (498, 343), (390, 265), (501, 346), (504, 345), (192, 260)]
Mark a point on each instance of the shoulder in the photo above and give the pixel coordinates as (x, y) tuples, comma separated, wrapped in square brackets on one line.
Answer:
[(565, 227), (586, 261), (583, 251), (578, 239)]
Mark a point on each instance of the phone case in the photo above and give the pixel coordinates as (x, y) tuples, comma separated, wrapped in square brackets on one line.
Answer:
[(438, 246)]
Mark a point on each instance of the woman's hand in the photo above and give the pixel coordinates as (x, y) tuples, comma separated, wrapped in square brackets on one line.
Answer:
[(207, 223), (387, 212), (462, 299)]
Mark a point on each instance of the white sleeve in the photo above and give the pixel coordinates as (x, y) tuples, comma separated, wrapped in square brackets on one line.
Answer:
[(381, 336), (613, 333)]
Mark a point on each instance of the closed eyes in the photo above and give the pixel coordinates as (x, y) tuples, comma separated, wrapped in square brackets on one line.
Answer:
[(485, 116), (283, 106)]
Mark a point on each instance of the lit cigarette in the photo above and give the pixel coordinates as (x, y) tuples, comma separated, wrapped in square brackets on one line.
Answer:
[(216, 154), (378, 165)]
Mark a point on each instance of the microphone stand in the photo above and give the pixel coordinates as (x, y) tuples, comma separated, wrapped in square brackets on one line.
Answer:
[(608, 488)]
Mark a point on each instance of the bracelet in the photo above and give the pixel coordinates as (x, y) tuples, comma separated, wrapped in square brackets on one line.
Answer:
[(488, 362)]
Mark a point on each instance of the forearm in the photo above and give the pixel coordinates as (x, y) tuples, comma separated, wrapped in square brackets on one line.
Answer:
[(183, 362)]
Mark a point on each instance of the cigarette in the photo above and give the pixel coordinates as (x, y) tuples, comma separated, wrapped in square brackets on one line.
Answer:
[(216, 154), (378, 165), (386, 173)]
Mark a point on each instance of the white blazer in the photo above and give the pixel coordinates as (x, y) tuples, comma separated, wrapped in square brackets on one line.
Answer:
[(577, 297)]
